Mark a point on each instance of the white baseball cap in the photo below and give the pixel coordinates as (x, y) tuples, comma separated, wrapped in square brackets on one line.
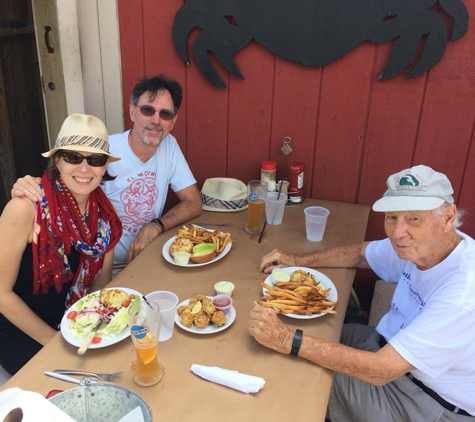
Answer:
[(418, 188)]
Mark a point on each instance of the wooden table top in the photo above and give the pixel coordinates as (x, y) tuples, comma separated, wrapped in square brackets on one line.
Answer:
[(293, 386)]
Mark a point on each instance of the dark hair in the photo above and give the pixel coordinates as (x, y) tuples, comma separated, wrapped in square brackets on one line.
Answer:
[(53, 171), (154, 84)]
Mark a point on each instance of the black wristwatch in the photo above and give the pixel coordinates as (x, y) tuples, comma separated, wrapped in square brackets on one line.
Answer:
[(159, 223), (296, 342)]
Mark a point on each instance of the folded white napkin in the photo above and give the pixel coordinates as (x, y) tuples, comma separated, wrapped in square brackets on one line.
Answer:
[(135, 415), (34, 406), (232, 379)]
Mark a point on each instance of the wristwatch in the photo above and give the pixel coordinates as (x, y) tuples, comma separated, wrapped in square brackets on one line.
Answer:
[(296, 342), (159, 223)]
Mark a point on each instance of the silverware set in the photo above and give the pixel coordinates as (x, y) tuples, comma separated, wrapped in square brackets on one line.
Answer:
[(214, 224), (62, 374)]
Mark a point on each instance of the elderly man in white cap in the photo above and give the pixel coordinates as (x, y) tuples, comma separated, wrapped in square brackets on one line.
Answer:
[(418, 364)]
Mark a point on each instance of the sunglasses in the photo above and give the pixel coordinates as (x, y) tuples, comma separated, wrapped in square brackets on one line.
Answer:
[(93, 160), (149, 111)]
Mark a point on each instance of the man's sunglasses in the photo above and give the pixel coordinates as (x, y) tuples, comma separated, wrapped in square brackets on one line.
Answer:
[(93, 160), (149, 111)]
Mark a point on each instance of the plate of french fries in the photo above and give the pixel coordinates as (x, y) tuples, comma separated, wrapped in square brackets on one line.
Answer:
[(199, 235), (308, 294)]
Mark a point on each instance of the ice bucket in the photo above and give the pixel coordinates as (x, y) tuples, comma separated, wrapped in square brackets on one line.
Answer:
[(96, 402)]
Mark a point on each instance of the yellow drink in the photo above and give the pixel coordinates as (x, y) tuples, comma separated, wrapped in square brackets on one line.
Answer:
[(148, 371), (254, 221)]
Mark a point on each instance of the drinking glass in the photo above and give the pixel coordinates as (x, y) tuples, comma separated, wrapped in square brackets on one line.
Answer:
[(256, 195), (315, 222), (144, 323)]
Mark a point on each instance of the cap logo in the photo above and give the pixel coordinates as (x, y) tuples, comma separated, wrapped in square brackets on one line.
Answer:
[(409, 182)]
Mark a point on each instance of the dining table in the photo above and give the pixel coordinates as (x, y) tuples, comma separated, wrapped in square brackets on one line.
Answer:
[(294, 389)]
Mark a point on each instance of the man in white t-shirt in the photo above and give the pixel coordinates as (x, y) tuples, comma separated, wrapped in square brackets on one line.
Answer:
[(151, 163), (418, 364)]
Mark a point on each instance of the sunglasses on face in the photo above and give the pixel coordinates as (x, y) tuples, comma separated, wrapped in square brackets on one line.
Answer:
[(148, 110), (93, 160)]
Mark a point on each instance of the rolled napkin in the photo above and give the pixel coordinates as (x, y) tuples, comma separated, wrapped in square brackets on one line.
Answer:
[(228, 378)]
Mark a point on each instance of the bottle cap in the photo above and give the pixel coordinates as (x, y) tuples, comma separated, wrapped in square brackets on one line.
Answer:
[(268, 165)]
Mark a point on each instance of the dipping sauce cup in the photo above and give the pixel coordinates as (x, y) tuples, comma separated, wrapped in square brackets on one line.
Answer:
[(144, 323), (222, 303), (224, 288)]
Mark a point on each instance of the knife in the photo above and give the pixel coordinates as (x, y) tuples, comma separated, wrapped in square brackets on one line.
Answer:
[(87, 341)]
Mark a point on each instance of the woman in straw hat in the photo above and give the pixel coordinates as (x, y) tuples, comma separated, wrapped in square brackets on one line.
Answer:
[(51, 252)]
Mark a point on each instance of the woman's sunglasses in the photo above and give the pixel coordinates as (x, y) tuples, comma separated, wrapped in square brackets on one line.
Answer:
[(93, 160), (149, 111)]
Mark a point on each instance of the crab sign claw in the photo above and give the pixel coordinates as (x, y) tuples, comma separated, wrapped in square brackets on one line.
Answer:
[(218, 35), (459, 13)]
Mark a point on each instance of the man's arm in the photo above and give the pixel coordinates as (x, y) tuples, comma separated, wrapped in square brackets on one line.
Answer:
[(28, 187), (188, 208), (376, 368), (350, 255)]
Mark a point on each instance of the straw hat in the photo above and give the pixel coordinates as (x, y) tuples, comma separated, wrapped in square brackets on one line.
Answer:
[(417, 188), (81, 132), (224, 195)]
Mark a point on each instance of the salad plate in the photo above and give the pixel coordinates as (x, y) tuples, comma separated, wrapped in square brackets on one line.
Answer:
[(107, 339), (210, 329), (319, 277), (166, 254)]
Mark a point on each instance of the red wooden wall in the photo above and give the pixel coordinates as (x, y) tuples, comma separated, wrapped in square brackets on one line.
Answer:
[(350, 129)]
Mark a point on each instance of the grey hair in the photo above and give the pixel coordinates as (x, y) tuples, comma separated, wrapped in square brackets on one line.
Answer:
[(458, 216)]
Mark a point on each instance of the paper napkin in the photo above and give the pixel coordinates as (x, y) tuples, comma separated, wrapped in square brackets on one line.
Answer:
[(228, 378), (34, 406)]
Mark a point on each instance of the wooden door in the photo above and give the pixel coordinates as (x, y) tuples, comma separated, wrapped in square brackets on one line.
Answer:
[(23, 133)]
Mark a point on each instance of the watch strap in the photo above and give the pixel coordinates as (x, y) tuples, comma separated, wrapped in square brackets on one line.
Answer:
[(297, 341), (159, 223)]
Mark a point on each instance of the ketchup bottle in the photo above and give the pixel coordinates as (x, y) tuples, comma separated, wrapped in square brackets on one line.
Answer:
[(296, 180)]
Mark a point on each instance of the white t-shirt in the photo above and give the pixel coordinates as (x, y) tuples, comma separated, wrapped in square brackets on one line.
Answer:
[(431, 322), (140, 189)]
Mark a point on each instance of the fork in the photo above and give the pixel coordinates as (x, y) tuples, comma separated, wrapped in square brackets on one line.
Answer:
[(102, 377), (215, 224)]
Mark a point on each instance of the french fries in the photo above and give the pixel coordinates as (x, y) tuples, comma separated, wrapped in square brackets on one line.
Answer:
[(297, 298), (198, 235)]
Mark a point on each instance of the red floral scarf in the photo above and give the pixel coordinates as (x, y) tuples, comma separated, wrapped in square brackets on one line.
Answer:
[(59, 225)]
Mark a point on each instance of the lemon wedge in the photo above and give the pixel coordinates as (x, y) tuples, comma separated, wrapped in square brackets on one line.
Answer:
[(196, 308)]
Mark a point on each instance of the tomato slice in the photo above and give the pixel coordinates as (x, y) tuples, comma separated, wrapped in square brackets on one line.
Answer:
[(72, 315), (132, 296), (126, 303), (96, 339)]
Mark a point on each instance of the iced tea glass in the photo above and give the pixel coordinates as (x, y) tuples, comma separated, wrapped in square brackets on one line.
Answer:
[(256, 195), (144, 323)]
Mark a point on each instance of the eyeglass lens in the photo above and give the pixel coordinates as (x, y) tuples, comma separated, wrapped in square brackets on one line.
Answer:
[(148, 110), (92, 160)]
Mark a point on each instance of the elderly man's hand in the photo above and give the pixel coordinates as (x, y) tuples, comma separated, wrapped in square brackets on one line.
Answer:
[(28, 187), (145, 236), (277, 259), (266, 327)]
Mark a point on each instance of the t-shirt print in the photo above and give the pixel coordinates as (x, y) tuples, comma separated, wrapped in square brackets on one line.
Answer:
[(138, 200)]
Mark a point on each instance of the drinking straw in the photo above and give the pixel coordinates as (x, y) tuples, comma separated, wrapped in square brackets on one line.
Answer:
[(262, 232)]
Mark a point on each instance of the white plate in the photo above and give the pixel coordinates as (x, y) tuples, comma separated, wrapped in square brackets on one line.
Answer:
[(106, 340), (210, 329), (169, 258), (322, 278)]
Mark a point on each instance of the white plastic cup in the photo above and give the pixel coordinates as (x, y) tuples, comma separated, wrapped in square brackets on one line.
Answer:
[(315, 222), (168, 302), (275, 207)]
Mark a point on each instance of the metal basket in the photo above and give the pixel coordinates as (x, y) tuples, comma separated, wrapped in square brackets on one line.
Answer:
[(97, 402)]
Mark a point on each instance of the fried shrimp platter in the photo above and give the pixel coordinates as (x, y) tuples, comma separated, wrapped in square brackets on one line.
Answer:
[(200, 313)]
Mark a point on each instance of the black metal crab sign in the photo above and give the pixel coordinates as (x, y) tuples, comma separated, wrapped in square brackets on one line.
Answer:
[(317, 32)]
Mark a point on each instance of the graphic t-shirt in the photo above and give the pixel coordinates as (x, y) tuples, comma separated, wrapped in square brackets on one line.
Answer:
[(432, 317), (140, 189)]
